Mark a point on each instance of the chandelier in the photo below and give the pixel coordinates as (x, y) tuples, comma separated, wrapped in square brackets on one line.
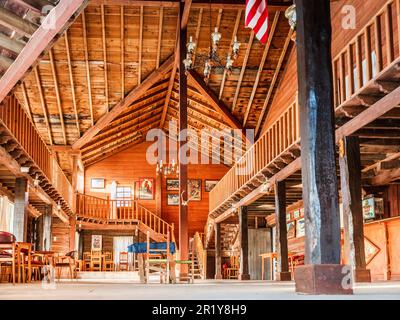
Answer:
[(211, 60), (291, 15), (167, 169)]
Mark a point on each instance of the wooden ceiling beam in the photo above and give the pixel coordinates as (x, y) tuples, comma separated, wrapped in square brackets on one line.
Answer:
[(42, 39), (213, 99), (103, 34), (140, 45), (14, 22), (11, 44), (135, 94), (265, 109), (234, 34), (26, 101), (64, 149), (57, 92), (122, 41), (261, 66), (88, 80), (72, 82), (160, 28)]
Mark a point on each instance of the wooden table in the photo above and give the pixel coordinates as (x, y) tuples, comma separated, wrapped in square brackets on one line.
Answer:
[(271, 256)]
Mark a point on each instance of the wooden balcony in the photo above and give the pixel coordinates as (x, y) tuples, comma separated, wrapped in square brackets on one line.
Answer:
[(106, 213), (22, 141)]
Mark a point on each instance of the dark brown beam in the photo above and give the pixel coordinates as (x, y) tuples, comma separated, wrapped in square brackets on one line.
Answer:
[(350, 177), (318, 153), (244, 244), (218, 260)]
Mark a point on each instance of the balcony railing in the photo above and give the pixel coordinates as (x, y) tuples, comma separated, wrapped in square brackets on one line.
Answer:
[(20, 127), (121, 210), (372, 50), (281, 135)]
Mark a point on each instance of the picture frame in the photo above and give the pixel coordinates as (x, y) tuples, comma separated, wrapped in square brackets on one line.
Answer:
[(146, 189), (296, 214), (172, 185), (209, 185), (97, 183), (194, 189), (173, 199), (291, 229), (300, 228), (97, 242)]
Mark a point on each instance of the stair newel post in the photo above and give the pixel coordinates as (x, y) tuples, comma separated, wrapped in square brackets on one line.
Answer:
[(172, 230)]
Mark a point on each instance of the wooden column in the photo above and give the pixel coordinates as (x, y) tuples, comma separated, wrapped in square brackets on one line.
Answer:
[(159, 194), (350, 177), (218, 259), (283, 273), (183, 119), (244, 244), (322, 273), (21, 209), (74, 181), (72, 230), (44, 229)]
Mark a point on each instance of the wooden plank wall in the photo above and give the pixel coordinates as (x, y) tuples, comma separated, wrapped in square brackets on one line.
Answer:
[(340, 38), (259, 242), (107, 238), (60, 236), (392, 201), (129, 165)]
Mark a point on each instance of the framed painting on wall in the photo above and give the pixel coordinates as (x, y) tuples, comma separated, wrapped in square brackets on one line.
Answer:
[(209, 185), (300, 228), (194, 189), (97, 183), (291, 230), (146, 188), (97, 242), (172, 185), (173, 199)]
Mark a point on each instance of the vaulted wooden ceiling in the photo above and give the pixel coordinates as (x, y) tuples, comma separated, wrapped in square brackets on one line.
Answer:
[(113, 48)]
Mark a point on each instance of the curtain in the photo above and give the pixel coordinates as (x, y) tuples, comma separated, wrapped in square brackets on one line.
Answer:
[(120, 244), (113, 196), (6, 215)]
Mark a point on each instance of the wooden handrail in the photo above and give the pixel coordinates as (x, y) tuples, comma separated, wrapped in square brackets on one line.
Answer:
[(281, 135), (367, 54), (201, 254), (121, 210), (23, 131)]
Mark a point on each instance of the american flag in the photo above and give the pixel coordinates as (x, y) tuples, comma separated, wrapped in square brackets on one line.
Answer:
[(257, 18)]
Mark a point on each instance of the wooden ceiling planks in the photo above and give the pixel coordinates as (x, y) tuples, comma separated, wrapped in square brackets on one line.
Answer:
[(111, 48)]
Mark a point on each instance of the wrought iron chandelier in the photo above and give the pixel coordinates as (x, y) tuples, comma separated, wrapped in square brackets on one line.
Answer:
[(211, 60), (291, 15)]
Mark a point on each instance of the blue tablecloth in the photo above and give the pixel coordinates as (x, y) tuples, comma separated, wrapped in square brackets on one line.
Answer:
[(141, 247)]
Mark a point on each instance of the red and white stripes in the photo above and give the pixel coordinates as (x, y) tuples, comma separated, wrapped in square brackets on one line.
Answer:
[(257, 18)]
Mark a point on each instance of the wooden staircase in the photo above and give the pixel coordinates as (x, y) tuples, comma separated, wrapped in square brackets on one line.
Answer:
[(105, 213)]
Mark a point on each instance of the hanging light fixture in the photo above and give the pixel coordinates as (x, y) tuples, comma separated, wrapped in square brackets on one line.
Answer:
[(166, 170), (58, 206), (36, 181), (291, 15), (235, 48)]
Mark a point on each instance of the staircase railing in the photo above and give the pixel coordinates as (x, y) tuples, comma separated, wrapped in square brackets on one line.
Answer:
[(109, 210), (201, 254)]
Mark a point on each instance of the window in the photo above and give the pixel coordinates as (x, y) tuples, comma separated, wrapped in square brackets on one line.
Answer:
[(124, 193)]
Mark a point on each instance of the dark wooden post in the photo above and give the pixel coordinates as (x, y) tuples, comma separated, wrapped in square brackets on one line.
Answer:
[(244, 244), (322, 273), (44, 229), (72, 230), (183, 187), (158, 194), (21, 209), (218, 259), (350, 177), (283, 273)]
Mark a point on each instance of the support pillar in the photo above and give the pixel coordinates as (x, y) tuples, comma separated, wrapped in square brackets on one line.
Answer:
[(244, 244), (283, 273), (183, 171), (44, 229), (350, 177), (218, 259), (72, 230), (322, 272), (21, 209), (158, 194)]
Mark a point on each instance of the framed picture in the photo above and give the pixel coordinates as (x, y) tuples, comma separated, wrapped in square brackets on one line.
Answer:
[(173, 199), (296, 214), (288, 216), (194, 189), (97, 242), (172, 185), (291, 230), (300, 228), (97, 183), (210, 184), (146, 188)]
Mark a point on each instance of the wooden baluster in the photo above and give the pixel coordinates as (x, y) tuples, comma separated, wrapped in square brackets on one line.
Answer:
[(368, 54), (389, 34), (398, 22), (350, 69), (378, 43), (359, 63), (342, 78)]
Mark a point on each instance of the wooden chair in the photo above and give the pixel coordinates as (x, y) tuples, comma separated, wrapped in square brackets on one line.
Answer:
[(232, 271), (65, 262), (86, 261), (96, 261), (7, 253), (123, 261), (24, 261), (108, 261)]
